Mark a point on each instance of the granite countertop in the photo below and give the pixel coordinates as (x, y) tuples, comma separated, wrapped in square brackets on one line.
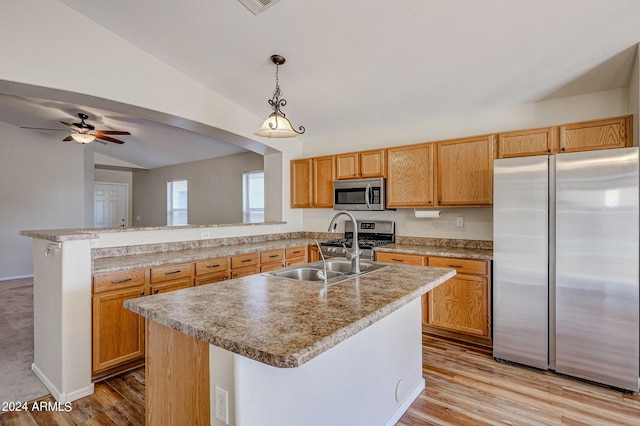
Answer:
[(148, 260), (461, 252), (282, 322)]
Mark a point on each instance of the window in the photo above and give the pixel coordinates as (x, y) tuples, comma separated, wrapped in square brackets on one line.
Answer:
[(177, 202), (253, 197)]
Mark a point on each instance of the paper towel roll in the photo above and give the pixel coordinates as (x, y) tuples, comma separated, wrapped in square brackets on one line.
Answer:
[(427, 214)]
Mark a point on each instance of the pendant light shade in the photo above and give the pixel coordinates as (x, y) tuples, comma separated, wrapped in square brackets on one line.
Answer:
[(277, 125), (82, 137)]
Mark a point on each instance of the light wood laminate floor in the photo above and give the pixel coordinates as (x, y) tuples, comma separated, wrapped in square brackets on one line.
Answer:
[(465, 386)]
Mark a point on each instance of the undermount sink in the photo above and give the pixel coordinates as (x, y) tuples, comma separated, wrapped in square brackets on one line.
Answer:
[(337, 270), (307, 274)]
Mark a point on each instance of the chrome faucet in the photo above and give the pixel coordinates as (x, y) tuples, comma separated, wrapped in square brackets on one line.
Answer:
[(354, 254), (324, 262)]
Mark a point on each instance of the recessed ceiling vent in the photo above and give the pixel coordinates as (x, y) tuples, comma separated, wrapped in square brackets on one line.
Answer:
[(257, 6)]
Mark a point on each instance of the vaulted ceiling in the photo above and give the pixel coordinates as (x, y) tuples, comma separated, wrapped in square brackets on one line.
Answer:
[(354, 64)]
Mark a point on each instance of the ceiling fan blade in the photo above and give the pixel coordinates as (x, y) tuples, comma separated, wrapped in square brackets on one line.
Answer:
[(67, 139), (108, 139), (110, 132), (70, 125), (42, 128)]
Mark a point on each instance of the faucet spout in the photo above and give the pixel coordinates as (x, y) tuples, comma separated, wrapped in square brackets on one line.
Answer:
[(354, 254)]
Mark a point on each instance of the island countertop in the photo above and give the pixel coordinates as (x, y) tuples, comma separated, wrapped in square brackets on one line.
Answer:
[(283, 322)]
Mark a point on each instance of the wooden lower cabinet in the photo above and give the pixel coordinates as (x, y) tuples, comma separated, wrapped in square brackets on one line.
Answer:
[(171, 286), (118, 334), (295, 256), (461, 307)]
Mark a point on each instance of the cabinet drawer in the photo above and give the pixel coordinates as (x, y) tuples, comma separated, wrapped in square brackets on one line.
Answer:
[(467, 266), (242, 260), (405, 259), (292, 252), (209, 266), (213, 278), (170, 272), (119, 280), (271, 266), (272, 256), (247, 270)]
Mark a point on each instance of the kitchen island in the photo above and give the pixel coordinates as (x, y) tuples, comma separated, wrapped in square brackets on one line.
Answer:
[(264, 350)]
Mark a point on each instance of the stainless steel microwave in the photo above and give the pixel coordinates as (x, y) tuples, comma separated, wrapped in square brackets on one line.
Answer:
[(359, 194)]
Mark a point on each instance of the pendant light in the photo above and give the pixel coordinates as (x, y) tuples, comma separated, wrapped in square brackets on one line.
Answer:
[(277, 125)]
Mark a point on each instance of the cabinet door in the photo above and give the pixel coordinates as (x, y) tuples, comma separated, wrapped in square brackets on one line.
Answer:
[(171, 286), (347, 166), (373, 163), (246, 271), (528, 142), (597, 134), (324, 173), (301, 183), (212, 278), (461, 304), (410, 176), (465, 171), (118, 333)]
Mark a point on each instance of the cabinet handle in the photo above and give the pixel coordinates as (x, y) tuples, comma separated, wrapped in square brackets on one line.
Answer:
[(155, 291), (398, 260), (235, 274), (121, 281), (213, 266), (296, 252), (172, 272), (274, 255), (245, 260), (456, 266), (142, 293)]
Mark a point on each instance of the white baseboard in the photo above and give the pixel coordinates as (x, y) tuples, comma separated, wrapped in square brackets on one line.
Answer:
[(55, 392), (406, 404), (18, 277)]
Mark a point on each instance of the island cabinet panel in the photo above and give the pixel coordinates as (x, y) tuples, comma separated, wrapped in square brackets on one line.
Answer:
[(465, 171), (118, 334), (523, 143), (597, 134), (177, 377), (365, 164), (295, 255), (461, 307), (410, 176)]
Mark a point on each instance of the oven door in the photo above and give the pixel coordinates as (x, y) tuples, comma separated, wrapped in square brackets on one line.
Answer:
[(359, 194)]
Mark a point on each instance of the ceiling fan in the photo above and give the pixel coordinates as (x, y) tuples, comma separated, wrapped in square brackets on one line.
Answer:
[(84, 133)]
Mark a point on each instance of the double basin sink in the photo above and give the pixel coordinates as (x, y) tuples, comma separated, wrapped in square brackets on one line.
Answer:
[(336, 271)]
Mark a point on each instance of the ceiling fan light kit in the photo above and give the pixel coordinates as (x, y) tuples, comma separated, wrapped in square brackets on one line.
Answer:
[(83, 137), (86, 133), (277, 125)]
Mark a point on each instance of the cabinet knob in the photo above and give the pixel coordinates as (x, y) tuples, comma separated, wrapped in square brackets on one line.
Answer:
[(142, 293), (549, 150), (155, 291), (563, 149)]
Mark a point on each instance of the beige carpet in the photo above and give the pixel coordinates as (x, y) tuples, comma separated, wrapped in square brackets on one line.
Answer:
[(17, 381)]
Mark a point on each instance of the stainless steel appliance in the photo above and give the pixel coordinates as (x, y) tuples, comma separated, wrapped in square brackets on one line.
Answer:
[(371, 233), (566, 286), (359, 194)]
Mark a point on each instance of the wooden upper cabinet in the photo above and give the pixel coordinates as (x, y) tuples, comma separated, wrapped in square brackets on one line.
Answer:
[(465, 171), (523, 143), (410, 176), (365, 164), (324, 173), (301, 183), (596, 134)]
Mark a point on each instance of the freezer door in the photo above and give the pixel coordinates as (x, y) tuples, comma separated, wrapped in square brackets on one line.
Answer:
[(597, 318), (520, 260)]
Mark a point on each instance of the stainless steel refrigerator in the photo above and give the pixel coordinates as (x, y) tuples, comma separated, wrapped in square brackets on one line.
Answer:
[(565, 270)]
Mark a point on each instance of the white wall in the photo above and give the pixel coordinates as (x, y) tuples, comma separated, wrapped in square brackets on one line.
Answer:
[(478, 223), (41, 187), (214, 185)]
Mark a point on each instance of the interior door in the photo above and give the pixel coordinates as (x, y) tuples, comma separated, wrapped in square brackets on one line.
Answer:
[(110, 205)]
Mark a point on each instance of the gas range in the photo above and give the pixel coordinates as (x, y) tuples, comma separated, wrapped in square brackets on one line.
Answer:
[(371, 233)]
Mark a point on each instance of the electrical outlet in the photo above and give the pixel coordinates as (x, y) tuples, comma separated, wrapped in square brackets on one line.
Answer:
[(276, 229), (222, 405), (205, 235), (460, 221), (445, 225)]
